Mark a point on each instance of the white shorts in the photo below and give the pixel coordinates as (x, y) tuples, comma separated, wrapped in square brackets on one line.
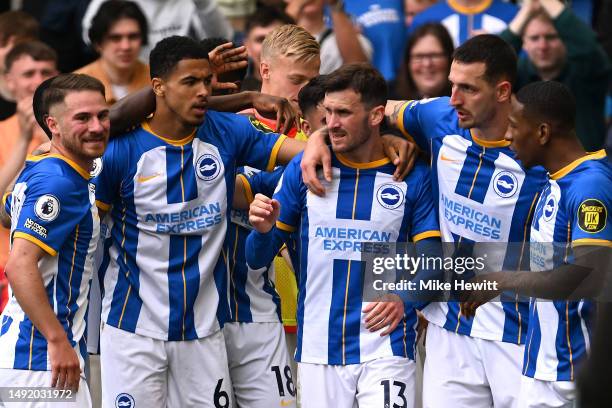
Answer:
[(546, 394), (26, 378), (463, 371), (259, 365), (144, 372), (378, 383)]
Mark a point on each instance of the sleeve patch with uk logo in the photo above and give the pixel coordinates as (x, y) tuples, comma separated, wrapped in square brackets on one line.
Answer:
[(592, 216)]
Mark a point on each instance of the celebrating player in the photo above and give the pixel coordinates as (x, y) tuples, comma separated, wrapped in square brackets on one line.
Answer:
[(483, 195), (55, 229), (571, 222), (257, 353), (167, 185), (342, 361)]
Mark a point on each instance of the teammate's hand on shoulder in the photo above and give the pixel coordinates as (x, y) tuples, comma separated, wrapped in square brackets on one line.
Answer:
[(65, 366), (316, 153), (387, 312), (401, 152), (263, 213)]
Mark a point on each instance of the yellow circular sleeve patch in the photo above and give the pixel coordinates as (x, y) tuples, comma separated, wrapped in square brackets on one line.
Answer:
[(592, 216)]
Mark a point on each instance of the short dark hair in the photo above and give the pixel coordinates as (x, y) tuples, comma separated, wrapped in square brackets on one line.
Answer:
[(112, 11), (551, 102), (17, 24), (54, 90), (361, 78), (497, 55), (312, 94), (37, 50), (265, 16), (170, 51)]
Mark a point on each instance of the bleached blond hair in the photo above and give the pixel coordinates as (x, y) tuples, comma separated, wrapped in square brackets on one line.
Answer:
[(290, 41)]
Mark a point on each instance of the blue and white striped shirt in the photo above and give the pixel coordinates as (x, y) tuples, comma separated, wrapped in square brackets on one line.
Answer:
[(167, 268), (483, 195), (53, 206), (572, 210)]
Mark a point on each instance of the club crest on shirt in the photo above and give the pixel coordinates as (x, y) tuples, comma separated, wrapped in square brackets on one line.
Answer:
[(208, 167), (47, 207), (96, 168), (124, 400), (390, 196), (550, 206), (592, 216), (505, 184)]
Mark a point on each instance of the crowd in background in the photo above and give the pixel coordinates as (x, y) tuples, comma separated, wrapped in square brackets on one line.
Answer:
[(410, 42)]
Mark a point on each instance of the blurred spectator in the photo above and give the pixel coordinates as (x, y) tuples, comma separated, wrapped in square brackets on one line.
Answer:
[(28, 64), (414, 7), (60, 28), (15, 27), (117, 33), (237, 12), (260, 24), (381, 22), (465, 18), (340, 43), (195, 18), (427, 63), (560, 47)]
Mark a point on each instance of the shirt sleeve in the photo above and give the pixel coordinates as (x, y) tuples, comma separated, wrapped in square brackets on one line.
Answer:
[(289, 195), (254, 147), (424, 217), (108, 178), (425, 119), (589, 209), (264, 182), (51, 207)]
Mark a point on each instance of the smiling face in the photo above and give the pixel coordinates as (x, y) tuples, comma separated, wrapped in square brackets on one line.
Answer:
[(186, 89), (428, 66), (121, 45), (522, 134), (80, 125), (26, 74), (472, 95)]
